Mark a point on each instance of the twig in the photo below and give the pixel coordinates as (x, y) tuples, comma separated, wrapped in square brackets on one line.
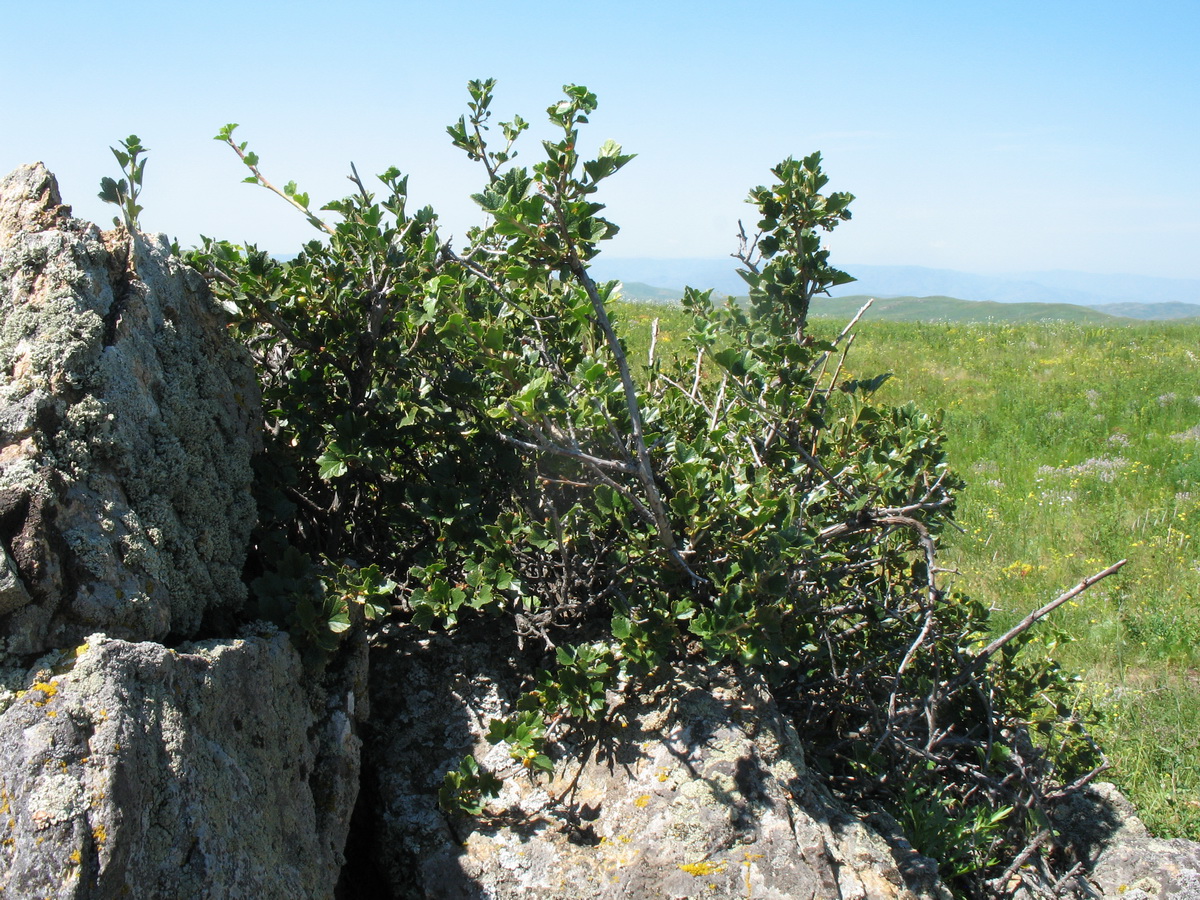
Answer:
[(825, 356), (746, 248), (1024, 625), (261, 179), (556, 450), (716, 410), (1040, 838), (696, 380), (841, 362), (679, 387)]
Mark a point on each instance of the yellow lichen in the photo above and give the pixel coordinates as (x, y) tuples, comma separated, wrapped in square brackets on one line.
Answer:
[(47, 691), (642, 801), (100, 834), (702, 869), (76, 857)]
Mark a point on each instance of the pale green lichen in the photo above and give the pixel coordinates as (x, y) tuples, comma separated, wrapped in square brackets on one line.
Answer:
[(154, 430)]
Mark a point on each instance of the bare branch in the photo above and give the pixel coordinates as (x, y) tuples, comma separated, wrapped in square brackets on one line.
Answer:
[(1024, 625), (577, 455), (845, 331)]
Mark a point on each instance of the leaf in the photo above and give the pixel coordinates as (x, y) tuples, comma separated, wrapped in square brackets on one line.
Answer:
[(331, 464), (109, 192)]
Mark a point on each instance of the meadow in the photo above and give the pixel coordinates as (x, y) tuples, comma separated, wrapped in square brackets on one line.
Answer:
[(1080, 446)]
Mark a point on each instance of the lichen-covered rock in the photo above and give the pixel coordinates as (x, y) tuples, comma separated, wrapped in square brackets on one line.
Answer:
[(128, 419), (131, 770), (1118, 855), (694, 787)]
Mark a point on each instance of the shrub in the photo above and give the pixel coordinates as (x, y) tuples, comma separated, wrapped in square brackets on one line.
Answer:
[(469, 421)]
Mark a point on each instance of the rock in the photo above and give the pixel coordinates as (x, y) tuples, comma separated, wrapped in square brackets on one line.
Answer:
[(128, 418), (131, 770), (695, 787), (1119, 856)]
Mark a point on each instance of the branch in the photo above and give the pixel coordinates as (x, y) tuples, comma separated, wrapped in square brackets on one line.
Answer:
[(1024, 625), (1001, 883), (477, 270), (662, 522), (845, 331), (261, 179), (578, 456)]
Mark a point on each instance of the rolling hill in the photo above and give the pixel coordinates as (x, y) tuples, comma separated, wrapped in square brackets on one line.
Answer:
[(1129, 296), (952, 309)]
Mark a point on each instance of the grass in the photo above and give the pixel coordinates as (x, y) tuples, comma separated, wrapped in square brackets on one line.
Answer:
[(1080, 445)]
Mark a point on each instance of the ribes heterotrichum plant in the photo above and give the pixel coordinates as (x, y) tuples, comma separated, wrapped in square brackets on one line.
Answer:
[(124, 192), (467, 422)]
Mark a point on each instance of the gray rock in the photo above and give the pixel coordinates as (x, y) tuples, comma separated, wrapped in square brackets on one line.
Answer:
[(695, 787), (128, 418), (131, 770), (1120, 857)]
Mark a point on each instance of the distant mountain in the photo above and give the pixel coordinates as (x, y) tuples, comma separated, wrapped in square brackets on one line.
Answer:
[(636, 290), (718, 274), (1160, 297), (1078, 288), (951, 309), (1121, 288), (1150, 310)]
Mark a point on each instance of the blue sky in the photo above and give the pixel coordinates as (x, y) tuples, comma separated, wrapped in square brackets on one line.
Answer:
[(986, 137)]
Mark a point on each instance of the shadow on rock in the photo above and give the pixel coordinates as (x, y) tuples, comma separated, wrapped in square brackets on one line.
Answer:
[(693, 786)]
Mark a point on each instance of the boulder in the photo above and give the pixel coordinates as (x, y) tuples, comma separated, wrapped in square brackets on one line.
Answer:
[(208, 771), (1117, 854), (128, 419), (694, 786), (131, 764)]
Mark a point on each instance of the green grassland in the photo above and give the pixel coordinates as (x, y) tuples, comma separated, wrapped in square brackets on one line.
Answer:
[(1080, 446)]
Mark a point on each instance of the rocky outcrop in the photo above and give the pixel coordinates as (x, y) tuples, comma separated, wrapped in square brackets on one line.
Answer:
[(695, 786), (1119, 857), (128, 418), (210, 771), (127, 423)]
